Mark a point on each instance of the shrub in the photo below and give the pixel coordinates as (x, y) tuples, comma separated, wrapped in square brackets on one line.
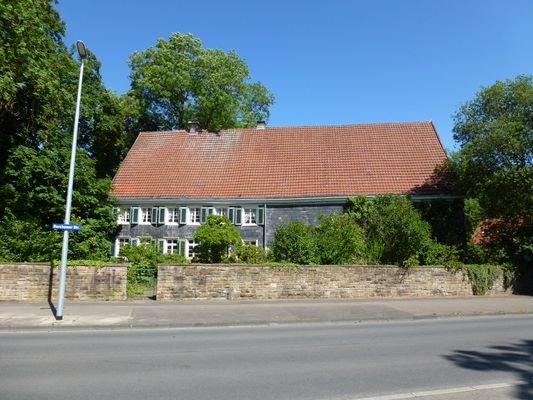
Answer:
[(142, 267), (339, 240), (434, 253), (394, 230), (250, 254), (293, 243), (482, 277)]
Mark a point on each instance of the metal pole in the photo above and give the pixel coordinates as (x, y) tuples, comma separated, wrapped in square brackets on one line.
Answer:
[(64, 250)]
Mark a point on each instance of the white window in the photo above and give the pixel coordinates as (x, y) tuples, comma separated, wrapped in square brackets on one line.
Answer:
[(221, 211), (250, 242), (250, 216), (194, 215), (172, 246), (191, 249), (146, 215), (173, 215), (123, 216)]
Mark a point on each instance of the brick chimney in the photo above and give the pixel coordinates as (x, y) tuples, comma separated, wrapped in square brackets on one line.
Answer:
[(194, 127)]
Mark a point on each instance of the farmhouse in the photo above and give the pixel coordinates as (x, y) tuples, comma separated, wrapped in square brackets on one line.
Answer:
[(265, 176)]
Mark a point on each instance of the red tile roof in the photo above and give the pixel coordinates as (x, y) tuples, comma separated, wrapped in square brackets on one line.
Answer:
[(281, 162)]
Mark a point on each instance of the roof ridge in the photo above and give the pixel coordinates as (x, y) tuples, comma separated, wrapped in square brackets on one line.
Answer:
[(425, 122)]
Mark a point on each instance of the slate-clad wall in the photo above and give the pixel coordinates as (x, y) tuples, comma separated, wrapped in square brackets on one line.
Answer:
[(274, 216), (308, 214), (38, 282), (262, 282)]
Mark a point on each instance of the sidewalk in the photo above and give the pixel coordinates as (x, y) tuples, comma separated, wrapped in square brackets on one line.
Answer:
[(147, 314)]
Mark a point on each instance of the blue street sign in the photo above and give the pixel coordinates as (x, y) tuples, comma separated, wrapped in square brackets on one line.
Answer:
[(66, 227)]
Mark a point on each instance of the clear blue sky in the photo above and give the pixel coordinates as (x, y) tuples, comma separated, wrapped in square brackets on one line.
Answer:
[(330, 61)]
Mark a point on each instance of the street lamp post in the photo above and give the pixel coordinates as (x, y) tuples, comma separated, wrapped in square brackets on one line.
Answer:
[(64, 251)]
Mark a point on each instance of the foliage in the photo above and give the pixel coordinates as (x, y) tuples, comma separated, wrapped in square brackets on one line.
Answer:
[(25, 240), (434, 253), (38, 82), (215, 237), (446, 218), (339, 240), (495, 163), (394, 231), (482, 277), (142, 266), (250, 254), (474, 214), (178, 80), (293, 243), (476, 254)]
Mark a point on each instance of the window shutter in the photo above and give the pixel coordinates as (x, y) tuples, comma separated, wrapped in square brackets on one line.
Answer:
[(155, 213), (231, 214), (260, 216), (134, 215), (238, 216), (203, 215), (183, 247), (183, 215), (161, 245), (162, 215)]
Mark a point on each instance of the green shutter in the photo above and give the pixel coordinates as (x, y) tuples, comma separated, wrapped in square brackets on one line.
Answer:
[(155, 213), (260, 216), (183, 247), (161, 245), (162, 215), (203, 215), (183, 215), (238, 216), (231, 214), (134, 215)]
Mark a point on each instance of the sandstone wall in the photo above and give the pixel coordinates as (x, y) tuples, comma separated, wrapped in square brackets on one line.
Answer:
[(36, 282), (187, 282)]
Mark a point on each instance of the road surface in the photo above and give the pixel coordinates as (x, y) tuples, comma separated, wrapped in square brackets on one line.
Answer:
[(297, 361)]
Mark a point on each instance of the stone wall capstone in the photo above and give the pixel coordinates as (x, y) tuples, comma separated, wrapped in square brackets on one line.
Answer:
[(40, 282), (263, 282)]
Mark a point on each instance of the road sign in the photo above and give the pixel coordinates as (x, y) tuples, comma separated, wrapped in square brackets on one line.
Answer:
[(66, 227)]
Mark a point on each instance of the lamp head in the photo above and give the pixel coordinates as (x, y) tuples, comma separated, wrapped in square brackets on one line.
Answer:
[(82, 51)]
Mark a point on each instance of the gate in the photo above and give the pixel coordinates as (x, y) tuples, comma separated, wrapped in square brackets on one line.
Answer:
[(142, 282)]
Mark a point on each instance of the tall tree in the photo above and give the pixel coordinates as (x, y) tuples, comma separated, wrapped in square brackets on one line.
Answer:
[(495, 160), (178, 80), (38, 80)]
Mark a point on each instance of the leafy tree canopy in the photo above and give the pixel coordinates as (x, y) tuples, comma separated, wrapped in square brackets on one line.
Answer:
[(38, 82), (495, 160), (178, 80), (495, 164), (215, 237)]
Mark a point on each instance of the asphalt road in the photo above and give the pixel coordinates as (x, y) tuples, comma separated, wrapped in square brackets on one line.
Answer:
[(299, 361)]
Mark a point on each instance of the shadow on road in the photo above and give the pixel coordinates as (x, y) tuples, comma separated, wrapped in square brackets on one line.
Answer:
[(516, 358)]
